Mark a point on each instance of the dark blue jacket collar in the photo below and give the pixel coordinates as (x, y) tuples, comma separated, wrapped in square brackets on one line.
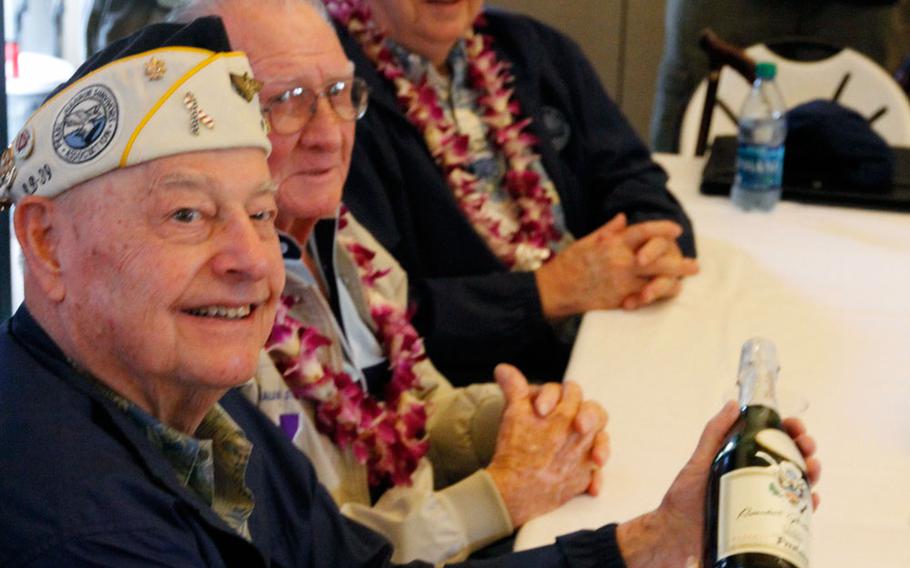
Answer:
[(29, 334)]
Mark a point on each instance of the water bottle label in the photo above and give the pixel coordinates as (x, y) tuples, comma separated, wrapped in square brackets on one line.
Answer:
[(766, 510), (758, 167)]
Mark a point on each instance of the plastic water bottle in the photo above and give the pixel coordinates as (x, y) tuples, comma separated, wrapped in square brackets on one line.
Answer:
[(760, 156)]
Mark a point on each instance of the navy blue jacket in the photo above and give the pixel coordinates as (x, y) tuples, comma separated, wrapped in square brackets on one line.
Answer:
[(472, 311), (81, 485)]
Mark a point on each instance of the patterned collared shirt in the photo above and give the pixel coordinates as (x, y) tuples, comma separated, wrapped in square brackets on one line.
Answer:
[(459, 103), (212, 465)]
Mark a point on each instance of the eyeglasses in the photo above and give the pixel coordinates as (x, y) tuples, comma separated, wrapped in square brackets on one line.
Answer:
[(290, 111)]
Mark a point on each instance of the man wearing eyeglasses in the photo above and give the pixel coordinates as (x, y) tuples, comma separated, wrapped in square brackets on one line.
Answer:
[(342, 346)]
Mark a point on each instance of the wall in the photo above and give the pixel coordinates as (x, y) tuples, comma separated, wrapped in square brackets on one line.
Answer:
[(900, 48), (595, 24), (644, 45), (622, 38)]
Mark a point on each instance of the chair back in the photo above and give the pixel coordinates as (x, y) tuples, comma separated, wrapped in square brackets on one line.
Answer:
[(847, 76)]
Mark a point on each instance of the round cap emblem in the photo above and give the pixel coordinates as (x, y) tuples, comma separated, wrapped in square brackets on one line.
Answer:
[(86, 125)]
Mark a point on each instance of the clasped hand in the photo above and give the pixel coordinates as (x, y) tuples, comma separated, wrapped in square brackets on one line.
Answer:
[(618, 265), (550, 448)]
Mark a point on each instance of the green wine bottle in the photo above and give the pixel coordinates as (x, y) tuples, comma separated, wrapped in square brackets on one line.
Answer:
[(759, 504)]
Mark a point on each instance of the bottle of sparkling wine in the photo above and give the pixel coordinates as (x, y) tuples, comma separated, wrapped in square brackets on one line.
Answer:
[(759, 504)]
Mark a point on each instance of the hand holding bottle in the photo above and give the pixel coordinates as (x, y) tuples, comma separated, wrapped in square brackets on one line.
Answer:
[(672, 535), (759, 500)]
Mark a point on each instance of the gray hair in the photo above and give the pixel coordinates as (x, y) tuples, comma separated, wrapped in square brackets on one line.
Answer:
[(192, 9)]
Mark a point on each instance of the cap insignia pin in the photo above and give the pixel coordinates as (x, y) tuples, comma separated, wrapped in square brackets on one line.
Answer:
[(24, 143), (7, 177), (155, 69), (197, 115), (246, 86)]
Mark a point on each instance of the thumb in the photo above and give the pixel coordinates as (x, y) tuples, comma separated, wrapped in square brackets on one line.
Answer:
[(513, 384), (714, 433)]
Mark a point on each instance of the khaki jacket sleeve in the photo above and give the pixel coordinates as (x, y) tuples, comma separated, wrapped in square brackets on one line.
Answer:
[(437, 526), (462, 427), (421, 523)]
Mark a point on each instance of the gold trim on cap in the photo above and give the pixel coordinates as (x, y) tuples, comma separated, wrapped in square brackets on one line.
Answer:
[(124, 158), (79, 81)]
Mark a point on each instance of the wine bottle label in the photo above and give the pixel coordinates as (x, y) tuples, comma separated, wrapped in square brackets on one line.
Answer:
[(780, 443), (767, 510)]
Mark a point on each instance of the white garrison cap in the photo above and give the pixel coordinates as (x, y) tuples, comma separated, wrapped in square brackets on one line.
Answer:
[(137, 108)]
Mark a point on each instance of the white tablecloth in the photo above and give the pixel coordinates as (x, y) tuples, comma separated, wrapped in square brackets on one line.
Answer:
[(831, 286)]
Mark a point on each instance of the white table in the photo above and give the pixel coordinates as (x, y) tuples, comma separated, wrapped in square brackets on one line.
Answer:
[(831, 286)]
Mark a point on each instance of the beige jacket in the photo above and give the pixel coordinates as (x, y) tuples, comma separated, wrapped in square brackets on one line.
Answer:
[(423, 523)]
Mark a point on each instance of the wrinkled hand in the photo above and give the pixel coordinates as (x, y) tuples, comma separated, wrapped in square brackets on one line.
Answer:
[(671, 536), (618, 265), (590, 415), (661, 260), (545, 456)]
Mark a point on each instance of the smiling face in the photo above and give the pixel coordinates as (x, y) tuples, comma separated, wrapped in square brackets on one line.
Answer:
[(427, 27), (296, 47), (170, 272)]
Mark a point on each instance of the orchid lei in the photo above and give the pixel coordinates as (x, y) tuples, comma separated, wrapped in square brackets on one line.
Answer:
[(527, 246), (389, 435)]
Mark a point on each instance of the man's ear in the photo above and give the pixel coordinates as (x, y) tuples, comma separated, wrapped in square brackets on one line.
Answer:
[(38, 238)]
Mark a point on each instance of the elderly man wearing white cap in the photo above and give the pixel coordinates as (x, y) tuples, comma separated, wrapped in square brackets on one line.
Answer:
[(145, 211)]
